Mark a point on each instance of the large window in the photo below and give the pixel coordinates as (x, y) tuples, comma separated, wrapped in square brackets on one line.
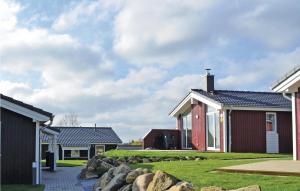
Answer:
[(213, 128), (271, 124), (186, 134), (75, 153)]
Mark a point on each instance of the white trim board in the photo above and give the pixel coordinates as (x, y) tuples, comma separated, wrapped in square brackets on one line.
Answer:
[(23, 111), (197, 96), (287, 83)]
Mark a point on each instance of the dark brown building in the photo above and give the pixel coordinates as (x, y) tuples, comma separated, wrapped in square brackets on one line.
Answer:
[(20, 147)]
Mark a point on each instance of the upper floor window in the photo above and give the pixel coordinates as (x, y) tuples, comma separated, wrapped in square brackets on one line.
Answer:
[(271, 124)]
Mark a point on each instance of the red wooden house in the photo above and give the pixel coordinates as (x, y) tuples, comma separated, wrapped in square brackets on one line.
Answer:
[(290, 84), (232, 121)]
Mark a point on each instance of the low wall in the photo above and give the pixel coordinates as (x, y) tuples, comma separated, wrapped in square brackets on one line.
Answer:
[(164, 139)]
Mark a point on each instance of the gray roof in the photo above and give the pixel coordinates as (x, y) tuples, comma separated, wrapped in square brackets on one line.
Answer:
[(247, 98), (84, 136), (286, 76)]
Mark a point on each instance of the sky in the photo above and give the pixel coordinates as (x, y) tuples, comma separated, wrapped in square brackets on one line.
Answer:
[(127, 63)]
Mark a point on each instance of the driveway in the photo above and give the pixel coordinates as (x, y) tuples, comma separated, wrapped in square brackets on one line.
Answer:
[(66, 179)]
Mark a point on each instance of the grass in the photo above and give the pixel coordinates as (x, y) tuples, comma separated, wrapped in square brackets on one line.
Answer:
[(68, 163), (207, 155), (201, 174), (22, 188)]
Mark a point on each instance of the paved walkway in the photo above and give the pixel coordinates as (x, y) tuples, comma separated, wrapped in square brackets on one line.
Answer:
[(273, 167), (66, 179)]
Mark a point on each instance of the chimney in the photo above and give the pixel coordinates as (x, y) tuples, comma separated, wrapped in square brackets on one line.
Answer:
[(208, 81)]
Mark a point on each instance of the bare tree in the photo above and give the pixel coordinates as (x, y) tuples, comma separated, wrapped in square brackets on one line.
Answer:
[(70, 120)]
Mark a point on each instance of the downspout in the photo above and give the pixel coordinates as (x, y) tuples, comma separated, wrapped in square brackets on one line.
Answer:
[(286, 96), (229, 131), (40, 149)]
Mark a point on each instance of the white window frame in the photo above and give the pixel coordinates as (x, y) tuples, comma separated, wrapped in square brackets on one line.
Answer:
[(214, 113), (185, 130), (275, 118), (101, 146)]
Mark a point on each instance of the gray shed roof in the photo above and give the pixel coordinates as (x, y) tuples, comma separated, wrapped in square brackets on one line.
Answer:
[(247, 98), (84, 136)]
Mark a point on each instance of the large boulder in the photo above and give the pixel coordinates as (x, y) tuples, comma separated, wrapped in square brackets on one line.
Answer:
[(133, 175), (105, 179), (95, 168), (127, 187), (116, 183), (182, 186), (212, 188), (142, 182), (123, 168), (161, 181), (249, 188)]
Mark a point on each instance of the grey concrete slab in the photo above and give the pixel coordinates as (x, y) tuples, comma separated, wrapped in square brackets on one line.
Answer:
[(272, 167)]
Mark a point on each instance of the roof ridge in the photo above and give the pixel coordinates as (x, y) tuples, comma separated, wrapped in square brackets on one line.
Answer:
[(82, 127)]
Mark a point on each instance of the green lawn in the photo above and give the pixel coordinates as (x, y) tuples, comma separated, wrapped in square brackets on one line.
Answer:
[(21, 188), (207, 155), (68, 163), (201, 174)]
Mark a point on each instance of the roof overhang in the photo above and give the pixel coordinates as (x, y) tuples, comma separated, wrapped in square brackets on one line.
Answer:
[(289, 84), (49, 131), (186, 103), (35, 116)]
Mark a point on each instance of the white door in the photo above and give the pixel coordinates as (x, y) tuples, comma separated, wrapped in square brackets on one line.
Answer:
[(272, 140)]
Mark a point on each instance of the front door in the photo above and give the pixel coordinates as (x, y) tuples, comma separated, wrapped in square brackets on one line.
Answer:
[(213, 131)]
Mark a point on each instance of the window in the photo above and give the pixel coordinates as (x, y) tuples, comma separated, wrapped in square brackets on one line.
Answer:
[(271, 122), (186, 133), (99, 149), (213, 128), (75, 153)]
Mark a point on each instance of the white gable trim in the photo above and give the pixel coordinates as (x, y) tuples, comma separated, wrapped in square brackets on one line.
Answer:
[(287, 83), (49, 131), (23, 111), (199, 97)]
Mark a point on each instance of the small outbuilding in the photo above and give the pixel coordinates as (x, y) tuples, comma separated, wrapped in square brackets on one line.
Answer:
[(82, 142), (290, 84), (21, 125)]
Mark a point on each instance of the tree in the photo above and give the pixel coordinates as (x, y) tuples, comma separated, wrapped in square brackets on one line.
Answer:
[(70, 120)]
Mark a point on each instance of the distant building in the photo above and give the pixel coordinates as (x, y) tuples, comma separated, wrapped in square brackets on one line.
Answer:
[(82, 142), (228, 121)]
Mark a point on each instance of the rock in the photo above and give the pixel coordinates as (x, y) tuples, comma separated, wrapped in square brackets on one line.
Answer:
[(141, 182), (161, 181), (123, 168), (127, 187), (145, 160), (117, 182), (105, 179), (131, 176), (182, 186), (212, 188), (249, 188)]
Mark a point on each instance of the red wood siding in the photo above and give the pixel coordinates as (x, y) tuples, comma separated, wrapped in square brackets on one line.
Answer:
[(149, 139), (248, 131), (284, 129), (179, 122), (198, 126), (298, 124)]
